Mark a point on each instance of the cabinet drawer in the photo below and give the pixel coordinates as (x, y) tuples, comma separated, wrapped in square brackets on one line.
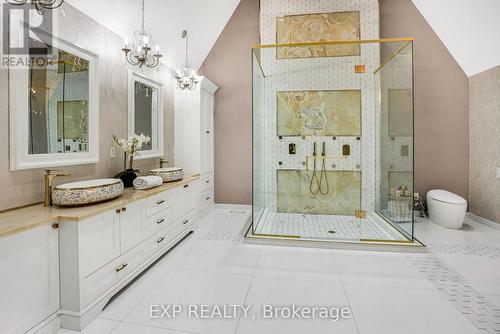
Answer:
[(206, 182), (160, 240), (99, 282), (160, 220), (207, 197), (206, 200), (185, 221), (157, 203), (172, 231)]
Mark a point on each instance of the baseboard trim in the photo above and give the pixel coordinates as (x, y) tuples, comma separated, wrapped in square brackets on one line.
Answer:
[(233, 206), (483, 221)]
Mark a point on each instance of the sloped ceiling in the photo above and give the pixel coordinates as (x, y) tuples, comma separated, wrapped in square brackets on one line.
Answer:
[(165, 20), (470, 29)]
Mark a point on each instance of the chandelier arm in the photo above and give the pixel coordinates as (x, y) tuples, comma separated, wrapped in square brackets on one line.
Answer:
[(50, 4), (154, 62), (130, 60), (17, 2)]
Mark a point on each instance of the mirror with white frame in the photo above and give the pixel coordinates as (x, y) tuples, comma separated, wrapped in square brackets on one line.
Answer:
[(145, 113), (54, 107)]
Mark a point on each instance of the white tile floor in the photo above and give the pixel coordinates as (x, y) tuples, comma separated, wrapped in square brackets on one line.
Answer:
[(387, 292), (332, 227)]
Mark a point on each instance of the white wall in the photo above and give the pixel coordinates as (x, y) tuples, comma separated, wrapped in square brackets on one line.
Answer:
[(468, 28)]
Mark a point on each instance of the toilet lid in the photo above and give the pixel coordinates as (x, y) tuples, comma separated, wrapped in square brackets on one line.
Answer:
[(446, 196)]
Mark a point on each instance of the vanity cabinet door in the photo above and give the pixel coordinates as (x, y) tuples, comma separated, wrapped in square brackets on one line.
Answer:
[(207, 132), (99, 239), (209, 135), (29, 278), (133, 225), (184, 199)]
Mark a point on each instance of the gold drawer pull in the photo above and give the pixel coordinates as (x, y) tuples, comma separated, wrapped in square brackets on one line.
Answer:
[(160, 221), (185, 222), (160, 240), (120, 268), (160, 202)]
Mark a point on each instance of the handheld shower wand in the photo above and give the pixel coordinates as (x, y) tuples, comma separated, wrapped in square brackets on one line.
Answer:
[(314, 178), (323, 175)]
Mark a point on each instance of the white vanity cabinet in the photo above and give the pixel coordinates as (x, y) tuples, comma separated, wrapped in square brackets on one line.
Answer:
[(194, 138), (29, 278), (101, 254)]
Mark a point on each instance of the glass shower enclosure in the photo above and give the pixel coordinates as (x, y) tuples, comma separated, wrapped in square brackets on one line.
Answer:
[(333, 141)]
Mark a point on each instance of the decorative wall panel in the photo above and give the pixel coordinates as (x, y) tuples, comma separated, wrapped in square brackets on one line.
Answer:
[(335, 26), (295, 195), (319, 113)]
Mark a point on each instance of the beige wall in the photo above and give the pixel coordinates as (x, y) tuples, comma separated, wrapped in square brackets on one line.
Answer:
[(229, 66), (26, 187), (485, 144), (441, 102)]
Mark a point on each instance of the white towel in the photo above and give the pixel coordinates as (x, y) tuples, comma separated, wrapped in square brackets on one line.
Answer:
[(147, 182)]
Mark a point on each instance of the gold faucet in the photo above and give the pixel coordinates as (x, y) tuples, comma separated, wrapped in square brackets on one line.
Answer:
[(50, 175), (162, 162)]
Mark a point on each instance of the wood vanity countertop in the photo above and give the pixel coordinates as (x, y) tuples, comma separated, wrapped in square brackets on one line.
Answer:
[(25, 218)]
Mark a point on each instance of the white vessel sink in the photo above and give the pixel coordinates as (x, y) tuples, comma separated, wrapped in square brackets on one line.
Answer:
[(169, 174), (86, 192)]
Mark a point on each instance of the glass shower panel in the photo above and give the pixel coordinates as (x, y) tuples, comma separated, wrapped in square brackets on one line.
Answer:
[(317, 144), (258, 138), (395, 136)]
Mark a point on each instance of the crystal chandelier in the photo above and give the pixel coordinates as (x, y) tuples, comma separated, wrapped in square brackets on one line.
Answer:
[(40, 5), (138, 53), (186, 77)]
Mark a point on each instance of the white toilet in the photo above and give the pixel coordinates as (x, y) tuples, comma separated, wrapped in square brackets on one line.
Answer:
[(446, 209)]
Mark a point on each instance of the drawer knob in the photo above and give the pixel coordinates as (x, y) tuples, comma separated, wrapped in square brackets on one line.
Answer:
[(118, 210), (207, 181), (186, 185), (120, 268), (160, 240), (185, 222), (160, 221), (160, 202), (124, 209), (207, 198)]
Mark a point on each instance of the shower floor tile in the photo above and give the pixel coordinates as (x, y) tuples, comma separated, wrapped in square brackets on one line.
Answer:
[(324, 227)]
